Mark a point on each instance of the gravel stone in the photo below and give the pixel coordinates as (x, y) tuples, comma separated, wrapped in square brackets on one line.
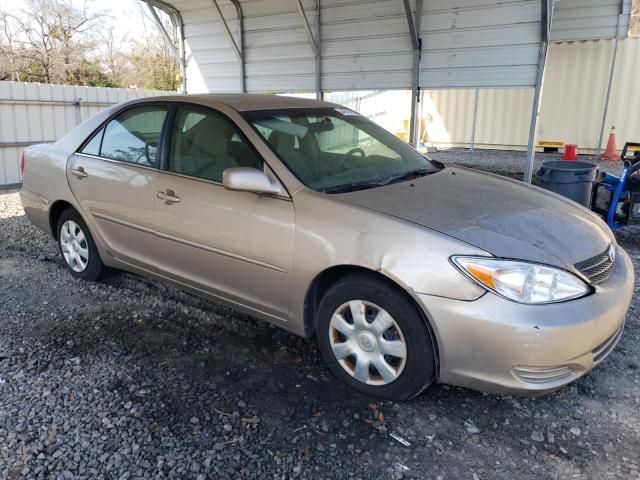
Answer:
[(537, 436), (106, 380)]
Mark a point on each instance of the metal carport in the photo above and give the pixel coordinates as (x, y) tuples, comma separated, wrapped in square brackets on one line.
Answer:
[(341, 45)]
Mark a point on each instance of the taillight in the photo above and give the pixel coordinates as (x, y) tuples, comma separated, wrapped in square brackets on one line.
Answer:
[(22, 164)]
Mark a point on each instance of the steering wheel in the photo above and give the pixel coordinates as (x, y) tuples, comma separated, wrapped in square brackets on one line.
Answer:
[(350, 154)]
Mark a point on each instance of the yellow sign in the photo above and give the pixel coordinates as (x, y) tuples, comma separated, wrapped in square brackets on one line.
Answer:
[(546, 143), (633, 148)]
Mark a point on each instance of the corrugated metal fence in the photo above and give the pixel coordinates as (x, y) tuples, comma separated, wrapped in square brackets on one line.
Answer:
[(34, 113), (572, 102)]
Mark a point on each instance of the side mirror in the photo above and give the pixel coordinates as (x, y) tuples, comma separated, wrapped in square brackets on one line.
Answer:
[(247, 179)]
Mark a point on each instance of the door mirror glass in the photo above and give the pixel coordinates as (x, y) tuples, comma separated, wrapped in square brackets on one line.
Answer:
[(248, 179)]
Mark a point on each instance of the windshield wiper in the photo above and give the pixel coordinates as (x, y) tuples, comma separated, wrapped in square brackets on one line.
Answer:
[(354, 186), (380, 182), (418, 172)]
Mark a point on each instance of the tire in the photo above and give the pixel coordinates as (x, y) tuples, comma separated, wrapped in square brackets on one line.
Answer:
[(379, 374), (77, 248)]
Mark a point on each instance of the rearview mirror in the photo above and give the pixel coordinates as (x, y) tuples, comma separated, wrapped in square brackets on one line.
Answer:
[(247, 179)]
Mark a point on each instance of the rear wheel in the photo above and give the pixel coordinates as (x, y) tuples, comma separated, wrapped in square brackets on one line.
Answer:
[(77, 246), (374, 338)]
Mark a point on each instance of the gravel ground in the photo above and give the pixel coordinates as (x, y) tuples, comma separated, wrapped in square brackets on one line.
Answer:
[(508, 162), (129, 378)]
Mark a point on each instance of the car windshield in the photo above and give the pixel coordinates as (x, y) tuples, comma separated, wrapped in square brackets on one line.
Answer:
[(336, 150)]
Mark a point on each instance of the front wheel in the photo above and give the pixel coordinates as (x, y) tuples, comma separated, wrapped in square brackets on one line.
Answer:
[(77, 246), (373, 338)]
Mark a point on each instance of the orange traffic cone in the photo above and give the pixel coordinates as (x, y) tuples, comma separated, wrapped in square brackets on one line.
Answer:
[(610, 153)]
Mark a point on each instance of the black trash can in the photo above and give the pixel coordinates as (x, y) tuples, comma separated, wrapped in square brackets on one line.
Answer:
[(571, 179)]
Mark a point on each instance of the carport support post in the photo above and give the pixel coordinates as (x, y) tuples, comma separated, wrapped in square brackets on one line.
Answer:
[(416, 42), (314, 42), (474, 119), (243, 75), (318, 71), (547, 15)]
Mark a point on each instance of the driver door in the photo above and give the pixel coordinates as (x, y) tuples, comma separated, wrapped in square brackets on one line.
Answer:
[(234, 245)]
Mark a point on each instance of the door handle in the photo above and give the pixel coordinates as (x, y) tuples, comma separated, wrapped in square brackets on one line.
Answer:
[(169, 197), (79, 172)]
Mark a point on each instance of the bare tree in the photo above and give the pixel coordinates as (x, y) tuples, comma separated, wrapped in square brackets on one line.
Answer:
[(114, 57), (9, 69), (65, 41), (153, 63), (48, 39)]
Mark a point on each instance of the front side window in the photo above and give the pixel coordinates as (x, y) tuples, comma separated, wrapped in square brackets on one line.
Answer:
[(204, 144), (133, 136), (335, 149)]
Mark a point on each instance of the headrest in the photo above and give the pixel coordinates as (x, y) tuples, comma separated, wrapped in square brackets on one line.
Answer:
[(282, 141)]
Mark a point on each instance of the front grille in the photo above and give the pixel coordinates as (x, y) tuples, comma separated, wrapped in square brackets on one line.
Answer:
[(597, 269)]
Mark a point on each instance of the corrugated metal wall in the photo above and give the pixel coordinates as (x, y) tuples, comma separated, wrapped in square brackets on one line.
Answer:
[(588, 19), (480, 43), (211, 62), (33, 113), (278, 54), (502, 118), (366, 43), (572, 102)]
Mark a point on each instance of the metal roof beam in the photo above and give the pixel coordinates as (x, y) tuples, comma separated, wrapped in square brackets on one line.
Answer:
[(307, 27), (178, 23), (225, 24), (413, 28), (165, 34)]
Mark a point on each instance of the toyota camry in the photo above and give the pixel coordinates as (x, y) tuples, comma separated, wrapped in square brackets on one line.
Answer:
[(307, 215)]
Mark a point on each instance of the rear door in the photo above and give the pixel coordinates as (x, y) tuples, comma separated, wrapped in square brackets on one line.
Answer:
[(114, 179), (235, 245)]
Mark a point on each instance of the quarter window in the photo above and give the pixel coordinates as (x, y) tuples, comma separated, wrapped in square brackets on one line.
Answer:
[(133, 136), (93, 147), (205, 144)]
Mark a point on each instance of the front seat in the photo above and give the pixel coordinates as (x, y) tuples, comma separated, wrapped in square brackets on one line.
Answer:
[(206, 149), (285, 146)]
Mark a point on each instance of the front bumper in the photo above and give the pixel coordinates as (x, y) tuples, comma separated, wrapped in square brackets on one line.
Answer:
[(494, 344)]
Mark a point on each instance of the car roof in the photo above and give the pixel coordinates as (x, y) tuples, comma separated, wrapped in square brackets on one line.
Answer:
[(244, 102)]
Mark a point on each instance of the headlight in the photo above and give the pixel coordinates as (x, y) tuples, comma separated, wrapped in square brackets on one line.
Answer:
[(521, 281)]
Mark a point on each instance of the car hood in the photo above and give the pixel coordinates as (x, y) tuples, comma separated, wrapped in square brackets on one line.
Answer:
[(502, 216)]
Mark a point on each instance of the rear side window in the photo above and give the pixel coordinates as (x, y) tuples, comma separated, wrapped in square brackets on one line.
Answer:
[(133, 136)]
